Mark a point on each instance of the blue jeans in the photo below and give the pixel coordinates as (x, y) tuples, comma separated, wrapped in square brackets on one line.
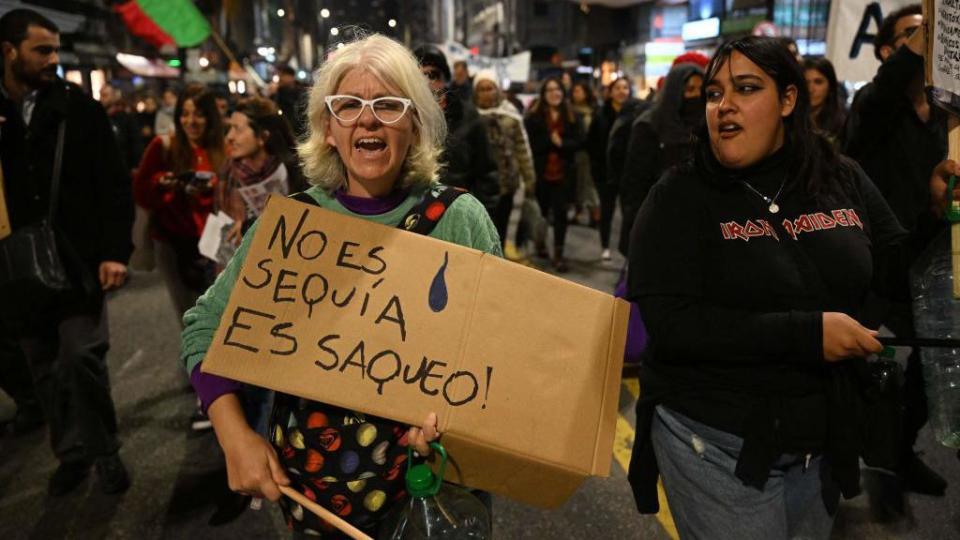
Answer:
[(707, 500)]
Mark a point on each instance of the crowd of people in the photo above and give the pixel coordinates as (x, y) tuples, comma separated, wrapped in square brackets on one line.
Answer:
[(768, 229)]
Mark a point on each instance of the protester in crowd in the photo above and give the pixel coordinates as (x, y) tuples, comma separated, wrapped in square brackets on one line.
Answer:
[(146, 120), (66, 338), (566, 80), (555, 136), (752, 408), (176, 182), (461, 85), (510, 96), (291, 97), (125, 126), (661, 137), (829, 114), (405, 130), (608, 153), (164, 124), (223, 107), (898, 138), (259, 143), (584, 104), (509, 144), (467, 156)]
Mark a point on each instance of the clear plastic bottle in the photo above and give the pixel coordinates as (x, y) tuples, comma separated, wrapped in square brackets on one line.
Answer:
[(436, 510), (937, 315)]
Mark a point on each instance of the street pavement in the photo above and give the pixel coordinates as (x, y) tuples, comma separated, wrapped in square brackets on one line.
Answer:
[(178, 475)]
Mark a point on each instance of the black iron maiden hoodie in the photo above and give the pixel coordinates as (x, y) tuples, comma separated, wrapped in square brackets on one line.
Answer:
[(733, 295)]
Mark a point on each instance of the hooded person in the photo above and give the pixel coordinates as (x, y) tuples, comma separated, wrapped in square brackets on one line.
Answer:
[(468, 161), (508, 143), (660, 138)]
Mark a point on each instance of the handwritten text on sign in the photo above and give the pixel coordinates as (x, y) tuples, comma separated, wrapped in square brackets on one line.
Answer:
[(345, 281), (946, 46)]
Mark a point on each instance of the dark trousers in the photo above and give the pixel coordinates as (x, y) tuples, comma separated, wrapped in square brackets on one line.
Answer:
[(501, 216), (15, 377), (900, 322), (67, 357), (608, 205), (555, 196)]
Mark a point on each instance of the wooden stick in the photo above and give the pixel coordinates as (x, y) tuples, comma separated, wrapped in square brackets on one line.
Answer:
[(5, 228), (324, 514)]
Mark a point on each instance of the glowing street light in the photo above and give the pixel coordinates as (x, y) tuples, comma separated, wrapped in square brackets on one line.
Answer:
[(392, 23), (204, 62), (281, 12), (334, 31), (324, 13)]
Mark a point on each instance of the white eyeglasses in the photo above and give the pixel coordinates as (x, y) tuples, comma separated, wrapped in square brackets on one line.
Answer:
[(388, 110)]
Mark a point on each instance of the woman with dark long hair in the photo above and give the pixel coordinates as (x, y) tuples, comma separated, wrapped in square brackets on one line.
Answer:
[(555, 136), (607, 143), (585, 107), (175, 181), (827, 111), (750, 265)]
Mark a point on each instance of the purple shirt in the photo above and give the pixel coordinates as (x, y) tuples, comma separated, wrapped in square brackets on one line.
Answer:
[(371, 206)]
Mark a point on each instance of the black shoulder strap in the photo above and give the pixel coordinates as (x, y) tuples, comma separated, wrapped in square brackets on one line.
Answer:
[(57, 167), (424, 216)]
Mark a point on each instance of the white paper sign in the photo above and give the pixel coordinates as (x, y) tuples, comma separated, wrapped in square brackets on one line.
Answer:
[(213, 243), (945, 63), (850, 33)]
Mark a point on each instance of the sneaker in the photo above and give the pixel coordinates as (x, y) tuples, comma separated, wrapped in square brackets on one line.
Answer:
[(67, 477), (199, 421), (112, 474), (919, 478), (606, 256)]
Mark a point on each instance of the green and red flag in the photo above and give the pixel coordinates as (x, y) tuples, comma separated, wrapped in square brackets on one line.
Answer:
[(165, 22)]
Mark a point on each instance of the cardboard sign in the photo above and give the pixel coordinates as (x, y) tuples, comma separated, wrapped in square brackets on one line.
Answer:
[(522, 368), (851, 29)]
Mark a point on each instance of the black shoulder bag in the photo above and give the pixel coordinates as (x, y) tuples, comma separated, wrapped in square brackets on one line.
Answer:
[(31, 266)]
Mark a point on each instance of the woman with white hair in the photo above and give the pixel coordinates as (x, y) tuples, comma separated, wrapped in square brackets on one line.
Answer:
[(375, 132)]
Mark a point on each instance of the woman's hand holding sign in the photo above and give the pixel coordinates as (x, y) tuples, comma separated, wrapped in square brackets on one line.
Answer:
[(252, 464)]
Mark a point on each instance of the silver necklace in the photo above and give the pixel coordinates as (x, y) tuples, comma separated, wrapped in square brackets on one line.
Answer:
[(774, 207)]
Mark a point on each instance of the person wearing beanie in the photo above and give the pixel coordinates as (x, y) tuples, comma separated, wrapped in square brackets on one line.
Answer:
[(467, 157), (508, 141)]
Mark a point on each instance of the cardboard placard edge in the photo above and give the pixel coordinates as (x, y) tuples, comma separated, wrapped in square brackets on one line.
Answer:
[(607, 423)]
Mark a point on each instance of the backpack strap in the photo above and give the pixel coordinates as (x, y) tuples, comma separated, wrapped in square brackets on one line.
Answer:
[(424, 215)]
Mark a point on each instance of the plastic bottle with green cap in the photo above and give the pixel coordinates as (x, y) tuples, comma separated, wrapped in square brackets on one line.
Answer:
[(434, 509)]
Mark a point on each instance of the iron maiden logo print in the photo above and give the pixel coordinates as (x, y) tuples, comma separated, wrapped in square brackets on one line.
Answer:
[(805, 223)]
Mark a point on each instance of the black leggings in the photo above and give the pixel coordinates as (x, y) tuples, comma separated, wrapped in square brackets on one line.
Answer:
[(555, 196), (608, 205)]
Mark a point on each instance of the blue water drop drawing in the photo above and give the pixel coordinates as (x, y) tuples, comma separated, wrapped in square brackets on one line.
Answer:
[(438, 289)]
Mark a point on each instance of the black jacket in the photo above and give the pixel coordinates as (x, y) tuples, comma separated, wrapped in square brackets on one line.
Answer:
[(469, 163), (126, 129), (541, 146), (732, 297), (95, 211), (607, 140), (896, 149)]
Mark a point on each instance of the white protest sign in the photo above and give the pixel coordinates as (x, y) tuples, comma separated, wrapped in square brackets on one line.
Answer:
[(945, 62), (852, 27), (513, 68)]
